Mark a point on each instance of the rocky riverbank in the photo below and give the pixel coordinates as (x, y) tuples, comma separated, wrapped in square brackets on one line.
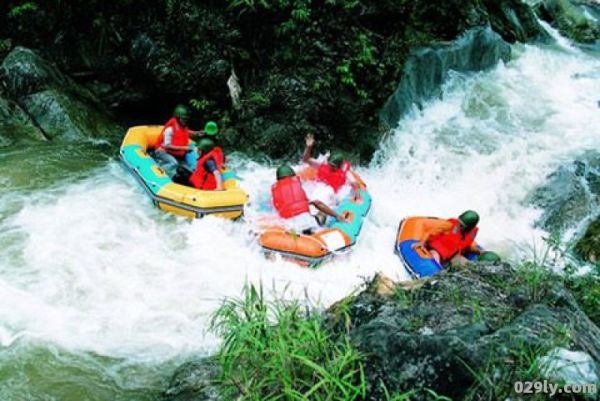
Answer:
[(467, 334)]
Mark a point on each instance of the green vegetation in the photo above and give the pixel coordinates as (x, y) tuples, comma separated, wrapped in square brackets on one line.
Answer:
[(22, 9), (280, 351), (588, 247), (325, 66), (495, 381), (586, 290), (585, 287), (284, 350)]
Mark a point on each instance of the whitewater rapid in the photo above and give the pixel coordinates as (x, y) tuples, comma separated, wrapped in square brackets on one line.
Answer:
[(90, 266)]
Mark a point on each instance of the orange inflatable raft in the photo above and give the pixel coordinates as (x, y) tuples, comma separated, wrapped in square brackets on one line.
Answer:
[(417, 259), (334, 238)]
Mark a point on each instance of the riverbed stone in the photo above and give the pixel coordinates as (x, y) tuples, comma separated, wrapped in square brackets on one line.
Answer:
[(570, 194), (195, 381)]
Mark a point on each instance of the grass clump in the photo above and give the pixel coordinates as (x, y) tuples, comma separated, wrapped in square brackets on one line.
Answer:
[(279, 350), (586, 290), (495, 380)]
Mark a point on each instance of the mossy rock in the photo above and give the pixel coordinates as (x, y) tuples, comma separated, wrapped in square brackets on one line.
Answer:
[(570, 194), (63, 118), (570, 19), (588, 247), (463, 324), (15, 125), (54, 104)]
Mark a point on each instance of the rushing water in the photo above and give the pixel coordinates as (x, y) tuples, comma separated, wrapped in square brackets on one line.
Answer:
[(102, 295)]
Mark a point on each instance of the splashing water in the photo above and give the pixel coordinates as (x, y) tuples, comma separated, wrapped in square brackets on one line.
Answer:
[(88, 265)]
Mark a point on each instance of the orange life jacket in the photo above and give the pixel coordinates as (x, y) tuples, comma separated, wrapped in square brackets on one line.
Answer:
[(334, 178), (181, 137), (452, 243), (201, 178), (289, 197)]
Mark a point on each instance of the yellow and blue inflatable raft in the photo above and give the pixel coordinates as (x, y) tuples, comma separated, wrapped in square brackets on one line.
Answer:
[(172, 197)]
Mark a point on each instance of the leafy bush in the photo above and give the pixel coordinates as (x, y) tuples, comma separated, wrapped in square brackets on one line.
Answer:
[(22, 9), (280, 351)]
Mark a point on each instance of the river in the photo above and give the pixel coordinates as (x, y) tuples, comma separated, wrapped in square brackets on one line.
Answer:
[(102, 295)]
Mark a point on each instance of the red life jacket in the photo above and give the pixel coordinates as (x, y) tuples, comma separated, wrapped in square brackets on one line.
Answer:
[(289, 197), (201, 178), (181, 137), (334, 178), (452, 243)]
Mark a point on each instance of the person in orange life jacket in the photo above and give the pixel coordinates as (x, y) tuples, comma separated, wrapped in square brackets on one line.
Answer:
[(173, 142), (332, 175), (452, 240), (334, 171), (292, 204), (207, 175)]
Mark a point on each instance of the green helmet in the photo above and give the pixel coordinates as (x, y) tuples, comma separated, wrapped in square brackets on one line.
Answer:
[(181, 112), (469, 219), (336, 160), (488, 256), (285, 171), (206, 144), (211, 128)]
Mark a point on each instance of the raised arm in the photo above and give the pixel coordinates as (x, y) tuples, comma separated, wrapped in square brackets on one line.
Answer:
[(307, 155)]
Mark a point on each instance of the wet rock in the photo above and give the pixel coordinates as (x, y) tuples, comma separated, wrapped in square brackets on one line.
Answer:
[(575, 19), (588, 246), (570, 194), (515, 21), (15, 124), (563, 365), (382, 285), (63, 118), (24, 72), (58, 107), (462, 322), (194, 381), (426, 69)]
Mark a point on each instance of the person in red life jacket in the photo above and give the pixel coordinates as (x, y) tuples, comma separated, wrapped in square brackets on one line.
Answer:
[(333, 171), (173, 143), (455, 238), (292, 204), (207, 175)]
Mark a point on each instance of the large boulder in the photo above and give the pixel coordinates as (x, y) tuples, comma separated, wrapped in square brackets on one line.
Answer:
[(570, 194), (478, 326), (578, 20), (64, 118), (15, 124), (24, 72), (426, 69), (59, 107)]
